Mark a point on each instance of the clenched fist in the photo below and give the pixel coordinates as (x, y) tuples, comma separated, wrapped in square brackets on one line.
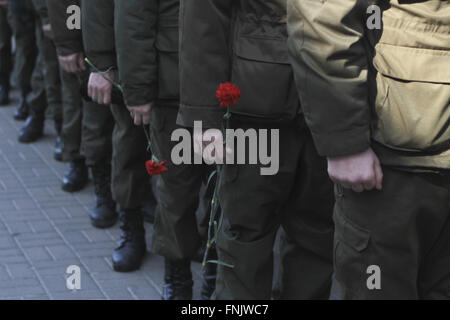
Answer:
[(73, 63), (358, 172), (140, 114), (100, 89)]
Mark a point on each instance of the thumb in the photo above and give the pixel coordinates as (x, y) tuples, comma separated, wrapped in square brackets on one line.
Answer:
[(378, 175)]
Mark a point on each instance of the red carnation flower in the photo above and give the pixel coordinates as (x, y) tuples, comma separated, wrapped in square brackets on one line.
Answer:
[(154, 168), (228, 94)]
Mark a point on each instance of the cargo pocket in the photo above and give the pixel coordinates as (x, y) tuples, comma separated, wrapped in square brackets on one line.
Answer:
[(262, 71), (351, 252), (168, 77), (413, 98)]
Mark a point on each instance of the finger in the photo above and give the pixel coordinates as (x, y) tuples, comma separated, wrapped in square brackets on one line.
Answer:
[(345, 185), (107, 97), (198, 141), (89, 91), (146, 118), (137, 119), (81, 63), (100, 96), (378, 176), (71, 67), (370, 183), (95, 94), (358, 187)]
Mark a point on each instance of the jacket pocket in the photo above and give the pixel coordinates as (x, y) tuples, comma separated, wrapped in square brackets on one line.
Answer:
[(413, 98), (168, 77), (262, 71)]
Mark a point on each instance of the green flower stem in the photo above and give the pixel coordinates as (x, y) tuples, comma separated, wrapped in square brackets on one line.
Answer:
[(119, 86), (212, 226)]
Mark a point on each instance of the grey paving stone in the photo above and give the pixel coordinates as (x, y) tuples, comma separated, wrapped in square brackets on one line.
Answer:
[(43, 230)]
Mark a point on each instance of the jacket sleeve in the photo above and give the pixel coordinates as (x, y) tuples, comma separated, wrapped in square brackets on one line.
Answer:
[(67, 41), (41, 8), (98, 33), (136, 28), (330, 62), (205, 59)]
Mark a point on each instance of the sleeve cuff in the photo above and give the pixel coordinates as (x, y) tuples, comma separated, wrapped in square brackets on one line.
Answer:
[(211, 116), (138, 97), (68, 48), (339, 144)]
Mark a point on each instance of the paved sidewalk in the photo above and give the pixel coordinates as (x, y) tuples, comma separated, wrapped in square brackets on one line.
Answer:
[(43, 230)]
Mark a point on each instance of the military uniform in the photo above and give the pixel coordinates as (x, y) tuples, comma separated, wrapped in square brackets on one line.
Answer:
[(149, 73), (5, 55), (247, 232), (130, 181), (386, 89), (45, 83), (244, 42)]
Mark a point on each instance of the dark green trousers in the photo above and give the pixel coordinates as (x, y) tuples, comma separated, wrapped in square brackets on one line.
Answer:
[(22, 21), (130, 182), (403, 230), (37, 97), (5, 47), (97, 128), (72, 129), (87, 126), (176, 235), (53, 87), (298, 198), (46, 81)]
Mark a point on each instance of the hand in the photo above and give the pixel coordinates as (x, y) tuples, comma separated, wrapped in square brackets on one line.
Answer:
[(73, 63), (100, 89), (218, 153), (48, 32), (358, 172), (3, 3), (141, 114)]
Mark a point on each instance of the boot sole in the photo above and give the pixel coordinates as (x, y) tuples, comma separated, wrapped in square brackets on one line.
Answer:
[(119, 268), (31, 140), (20, 118), (103, 224), (58, 157), (72, 189)]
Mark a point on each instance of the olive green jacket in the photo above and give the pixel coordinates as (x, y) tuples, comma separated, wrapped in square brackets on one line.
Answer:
[(98, 32), (243, 42), (388, 87), (67, 41), (147, 51)]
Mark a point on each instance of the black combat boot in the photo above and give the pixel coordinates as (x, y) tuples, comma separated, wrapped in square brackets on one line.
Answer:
[(33, 129), (58, 152), (129, 254), (23, 110), (104, 214), (209, 281), (177, 280), (4, 90), (77, 177)]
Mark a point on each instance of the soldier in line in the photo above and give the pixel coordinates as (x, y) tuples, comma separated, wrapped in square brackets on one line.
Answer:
[(130, 181), (5, 53), (244, 42), (87, 126), (150, 77), (22, 23), (28, 20), (383, 125)]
